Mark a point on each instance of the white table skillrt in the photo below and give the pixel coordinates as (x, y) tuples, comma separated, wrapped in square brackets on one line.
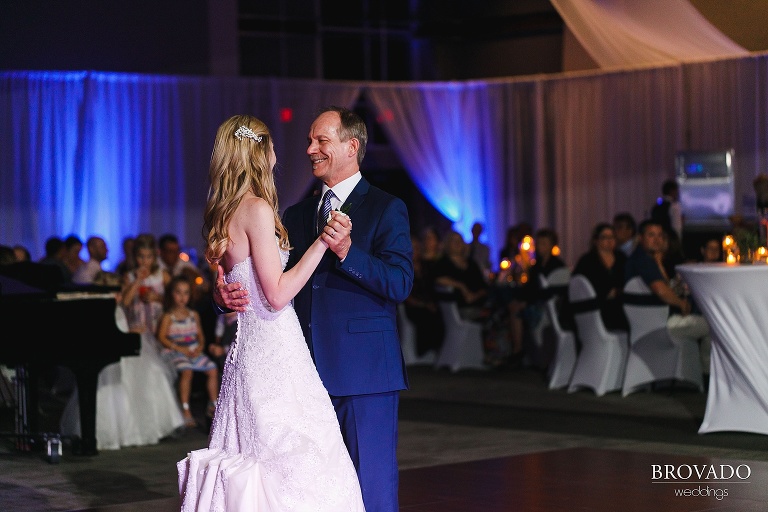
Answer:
[(734, 300)]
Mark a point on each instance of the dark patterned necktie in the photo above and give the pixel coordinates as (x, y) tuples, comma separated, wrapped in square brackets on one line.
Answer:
[(325, 210)]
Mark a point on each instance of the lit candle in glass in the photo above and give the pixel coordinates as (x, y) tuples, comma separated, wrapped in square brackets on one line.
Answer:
[(728, 249), (762, 254), (504, 271)]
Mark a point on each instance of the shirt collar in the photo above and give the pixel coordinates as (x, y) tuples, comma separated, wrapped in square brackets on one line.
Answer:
[(343, 189)]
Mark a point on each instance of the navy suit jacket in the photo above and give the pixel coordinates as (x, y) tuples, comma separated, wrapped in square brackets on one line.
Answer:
[(348, 310)]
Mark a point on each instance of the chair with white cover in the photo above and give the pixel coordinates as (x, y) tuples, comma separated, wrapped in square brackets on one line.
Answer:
[(407, 332), (463, 343), (559, 277), (542, 347), (655, 354), (563, 341), (602, 360)]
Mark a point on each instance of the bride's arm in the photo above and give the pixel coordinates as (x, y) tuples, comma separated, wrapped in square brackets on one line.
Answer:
[(279, 287)]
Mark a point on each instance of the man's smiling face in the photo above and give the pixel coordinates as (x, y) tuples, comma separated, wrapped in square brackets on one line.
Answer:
[(332, 160)]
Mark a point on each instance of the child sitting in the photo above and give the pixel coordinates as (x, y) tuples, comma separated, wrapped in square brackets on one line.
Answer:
[(181, 333)]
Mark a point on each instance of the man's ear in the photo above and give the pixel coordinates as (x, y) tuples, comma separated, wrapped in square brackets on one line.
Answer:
[(354, 145)]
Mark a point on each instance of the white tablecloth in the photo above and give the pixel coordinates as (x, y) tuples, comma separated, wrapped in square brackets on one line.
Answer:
[(734, 300)]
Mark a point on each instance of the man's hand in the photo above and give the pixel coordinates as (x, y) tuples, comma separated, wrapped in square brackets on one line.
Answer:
[(685, 307), (337, 234), (216, 350), (230, 296)]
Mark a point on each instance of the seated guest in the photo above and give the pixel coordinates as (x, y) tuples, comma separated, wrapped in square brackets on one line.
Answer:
[(625, 229), (456, 271), (176, 264), (545, 241), (525, 310), (646, 262), (55, 253), (603, 265), (711, 251), (514, 236), (421, 307), (128, 262), (181, 333), (21, 253), (136, 403), (97, 252), (671, 253), (7, 255), (170, 257), (73, 245), (431, 246)]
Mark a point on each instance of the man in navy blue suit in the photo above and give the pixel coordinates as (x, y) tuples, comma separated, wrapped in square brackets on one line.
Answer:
[(347, 309)]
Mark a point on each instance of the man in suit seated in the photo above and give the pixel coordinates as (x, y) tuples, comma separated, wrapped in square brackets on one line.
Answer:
[(647, 262)]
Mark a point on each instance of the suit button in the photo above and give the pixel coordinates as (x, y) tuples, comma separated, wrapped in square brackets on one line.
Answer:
[(315, 287)]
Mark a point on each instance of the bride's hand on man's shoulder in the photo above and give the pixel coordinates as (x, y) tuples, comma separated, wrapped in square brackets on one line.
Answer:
[(229, 295)]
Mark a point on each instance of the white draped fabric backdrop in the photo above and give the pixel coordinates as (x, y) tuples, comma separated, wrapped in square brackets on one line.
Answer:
[(109, 154), (118, 154)]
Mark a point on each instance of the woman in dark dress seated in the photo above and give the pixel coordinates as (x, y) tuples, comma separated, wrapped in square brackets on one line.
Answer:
[(603, 266), (461, 279), (421, 306)]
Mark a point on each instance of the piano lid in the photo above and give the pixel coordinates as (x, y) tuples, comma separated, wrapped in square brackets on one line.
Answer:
[(30, 280), (11, 286)]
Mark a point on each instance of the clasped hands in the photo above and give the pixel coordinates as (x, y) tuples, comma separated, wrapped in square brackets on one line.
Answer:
[(336, 233), (335, 236)]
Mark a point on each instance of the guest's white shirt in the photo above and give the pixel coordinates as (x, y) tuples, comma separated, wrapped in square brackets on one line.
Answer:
[(87, 273)]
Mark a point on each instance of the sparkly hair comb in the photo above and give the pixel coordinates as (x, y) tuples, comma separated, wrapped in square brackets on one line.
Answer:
[(244, 131)]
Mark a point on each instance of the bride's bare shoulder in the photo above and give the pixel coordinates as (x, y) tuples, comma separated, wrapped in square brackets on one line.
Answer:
[(250, 209), (252, 216), (251, 219), (253, 205)]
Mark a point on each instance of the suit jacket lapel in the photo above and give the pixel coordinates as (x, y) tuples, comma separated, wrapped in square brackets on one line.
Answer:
[(356, 197)]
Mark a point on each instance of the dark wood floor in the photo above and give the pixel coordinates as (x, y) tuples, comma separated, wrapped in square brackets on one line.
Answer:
[(579, 479)]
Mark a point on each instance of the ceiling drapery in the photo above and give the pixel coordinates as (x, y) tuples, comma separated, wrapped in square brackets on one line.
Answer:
[(632, 33)]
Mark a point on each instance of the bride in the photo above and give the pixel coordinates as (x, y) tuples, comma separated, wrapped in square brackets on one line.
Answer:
[(275, 442)]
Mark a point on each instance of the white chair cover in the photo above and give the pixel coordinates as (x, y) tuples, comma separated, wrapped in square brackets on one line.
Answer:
[(655, 354), (542, 347), (561, 367), (407, 332), (463, 343), (559, 277), (602, 360)]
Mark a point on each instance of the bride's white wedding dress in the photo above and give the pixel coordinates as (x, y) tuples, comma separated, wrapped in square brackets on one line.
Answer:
[(275, 443)]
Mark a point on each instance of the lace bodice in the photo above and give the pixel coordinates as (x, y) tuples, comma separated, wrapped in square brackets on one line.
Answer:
[(244, 274)]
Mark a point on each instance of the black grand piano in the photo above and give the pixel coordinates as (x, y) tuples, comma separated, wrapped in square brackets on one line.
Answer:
[(45, 325)]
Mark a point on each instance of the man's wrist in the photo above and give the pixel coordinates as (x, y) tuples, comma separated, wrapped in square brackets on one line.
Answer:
[(221, 310)]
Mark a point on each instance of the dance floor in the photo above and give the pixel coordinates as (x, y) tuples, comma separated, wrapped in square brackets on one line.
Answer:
[(468, 441), (578, 479)]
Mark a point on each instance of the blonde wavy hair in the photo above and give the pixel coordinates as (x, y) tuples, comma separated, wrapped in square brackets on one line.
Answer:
[(239, 164)]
